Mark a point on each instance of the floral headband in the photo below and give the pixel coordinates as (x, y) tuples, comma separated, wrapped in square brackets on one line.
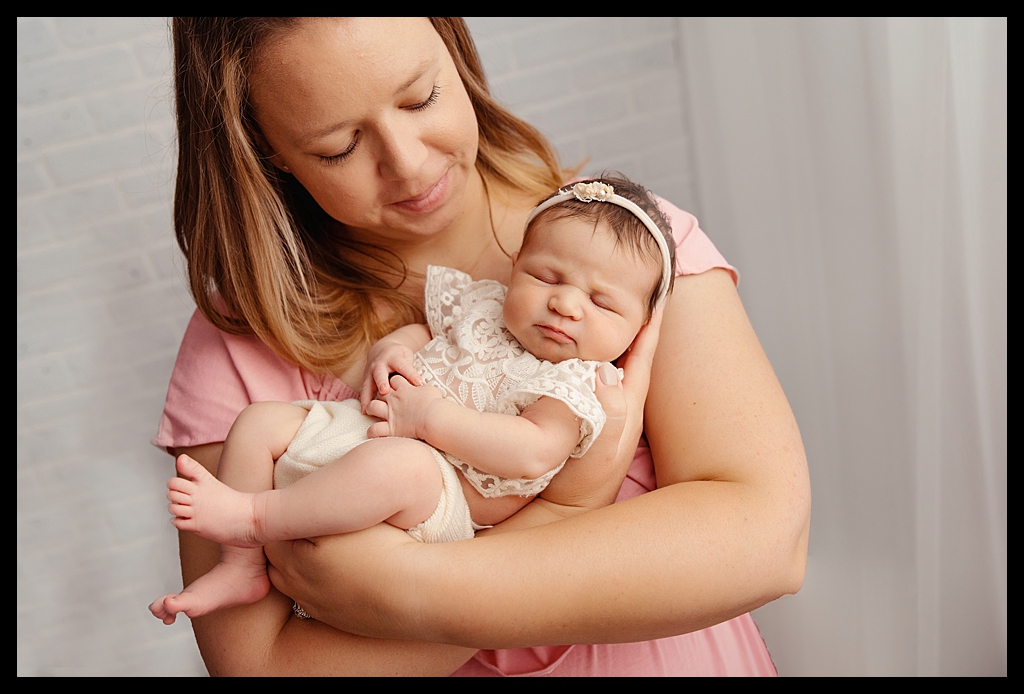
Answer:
[(595, 191)]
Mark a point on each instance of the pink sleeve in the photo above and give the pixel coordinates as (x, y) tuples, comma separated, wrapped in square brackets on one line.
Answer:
[(217, 375), (694, 251)]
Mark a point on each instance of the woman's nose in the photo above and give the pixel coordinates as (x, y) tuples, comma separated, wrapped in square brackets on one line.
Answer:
[(565, 301), (402, 153)]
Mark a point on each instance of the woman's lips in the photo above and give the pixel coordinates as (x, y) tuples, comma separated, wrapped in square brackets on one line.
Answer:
[(428, 201), (555, 334)]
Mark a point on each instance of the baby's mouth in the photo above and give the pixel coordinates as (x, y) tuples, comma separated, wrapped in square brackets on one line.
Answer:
[(555, 334)]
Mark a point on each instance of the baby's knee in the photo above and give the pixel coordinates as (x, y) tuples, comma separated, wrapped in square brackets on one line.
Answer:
[(267, 413), (410, 457)]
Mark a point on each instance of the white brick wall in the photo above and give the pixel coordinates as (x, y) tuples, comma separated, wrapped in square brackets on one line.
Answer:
[(102, 307)]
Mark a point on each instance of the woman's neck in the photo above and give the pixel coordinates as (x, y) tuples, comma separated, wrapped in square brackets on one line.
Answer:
[(491, 220)]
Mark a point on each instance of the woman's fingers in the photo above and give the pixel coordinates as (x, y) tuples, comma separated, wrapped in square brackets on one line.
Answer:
[(644, 346), (636, 364), (593, 480)]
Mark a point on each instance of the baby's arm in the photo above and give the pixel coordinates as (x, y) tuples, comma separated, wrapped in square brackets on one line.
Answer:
[(527, 445), (390, 354)]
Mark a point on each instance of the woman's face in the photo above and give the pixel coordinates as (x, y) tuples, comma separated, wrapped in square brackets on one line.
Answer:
[(372, 118)]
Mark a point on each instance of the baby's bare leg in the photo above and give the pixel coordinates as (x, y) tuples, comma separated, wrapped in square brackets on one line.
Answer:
[(258, 437), (393, 480)]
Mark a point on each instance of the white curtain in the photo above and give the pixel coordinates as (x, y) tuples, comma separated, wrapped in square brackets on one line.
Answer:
[(855, 172)]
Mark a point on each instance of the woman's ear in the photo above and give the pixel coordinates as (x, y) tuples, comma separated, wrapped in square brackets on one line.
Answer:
[(268, 153)]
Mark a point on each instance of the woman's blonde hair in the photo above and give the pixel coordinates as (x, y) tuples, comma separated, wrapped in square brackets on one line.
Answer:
[(263, 257)]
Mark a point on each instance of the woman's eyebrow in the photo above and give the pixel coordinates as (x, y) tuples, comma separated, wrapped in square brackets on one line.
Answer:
[(418, 73)]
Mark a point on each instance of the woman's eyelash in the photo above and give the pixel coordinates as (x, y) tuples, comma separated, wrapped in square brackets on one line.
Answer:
[(338, 158), (430, 100)]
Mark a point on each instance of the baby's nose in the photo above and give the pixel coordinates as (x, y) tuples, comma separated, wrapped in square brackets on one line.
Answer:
[(566, 302)]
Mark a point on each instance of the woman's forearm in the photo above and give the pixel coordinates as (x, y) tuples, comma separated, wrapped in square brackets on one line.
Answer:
[(726, 532), (672, 561)]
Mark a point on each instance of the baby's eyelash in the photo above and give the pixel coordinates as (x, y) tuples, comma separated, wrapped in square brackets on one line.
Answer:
[(435, 93)]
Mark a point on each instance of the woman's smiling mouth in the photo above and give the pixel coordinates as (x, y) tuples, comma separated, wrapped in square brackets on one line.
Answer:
[(428, 201)]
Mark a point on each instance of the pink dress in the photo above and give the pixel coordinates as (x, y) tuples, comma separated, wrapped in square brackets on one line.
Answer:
[(217, 375)]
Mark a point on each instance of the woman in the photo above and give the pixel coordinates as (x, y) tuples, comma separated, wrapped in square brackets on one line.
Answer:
[(322, 165)]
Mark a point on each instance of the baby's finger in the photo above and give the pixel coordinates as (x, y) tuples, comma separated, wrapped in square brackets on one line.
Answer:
[(399, 381), (380, 377), (407, 368), (378, 409), (367, 391), (378, 430)]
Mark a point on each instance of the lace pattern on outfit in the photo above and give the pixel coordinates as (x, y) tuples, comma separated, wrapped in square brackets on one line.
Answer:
[(476, 362)]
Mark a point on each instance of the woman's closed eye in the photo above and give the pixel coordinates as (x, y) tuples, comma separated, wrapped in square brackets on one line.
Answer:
[(435, 94), (341, 156)]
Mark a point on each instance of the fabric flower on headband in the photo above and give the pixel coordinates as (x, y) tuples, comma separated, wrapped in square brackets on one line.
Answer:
[(595, 190)]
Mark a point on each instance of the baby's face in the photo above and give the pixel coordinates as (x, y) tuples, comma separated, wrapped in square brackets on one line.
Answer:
[(574, 293)]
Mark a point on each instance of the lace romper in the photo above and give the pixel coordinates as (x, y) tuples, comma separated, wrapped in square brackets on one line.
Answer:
[(477, 363)]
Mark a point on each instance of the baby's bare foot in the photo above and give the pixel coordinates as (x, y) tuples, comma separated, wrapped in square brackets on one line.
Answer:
[(204, 505), (239, 579)]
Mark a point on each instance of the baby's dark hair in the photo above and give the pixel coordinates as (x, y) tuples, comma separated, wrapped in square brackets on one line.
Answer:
[(628, 228)]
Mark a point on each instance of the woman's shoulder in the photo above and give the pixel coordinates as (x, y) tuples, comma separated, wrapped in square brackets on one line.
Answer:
[(695, 252)]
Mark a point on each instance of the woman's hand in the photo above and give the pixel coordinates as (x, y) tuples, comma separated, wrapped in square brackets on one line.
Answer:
[(593, 481), (313, 573)]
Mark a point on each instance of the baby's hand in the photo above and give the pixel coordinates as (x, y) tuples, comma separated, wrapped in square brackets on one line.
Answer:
[(385, 358), (404, 410)]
